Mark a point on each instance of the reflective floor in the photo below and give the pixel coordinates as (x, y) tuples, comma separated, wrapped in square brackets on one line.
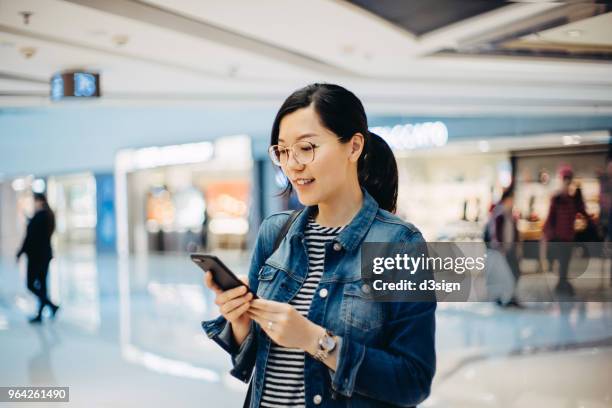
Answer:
[(128, 334)]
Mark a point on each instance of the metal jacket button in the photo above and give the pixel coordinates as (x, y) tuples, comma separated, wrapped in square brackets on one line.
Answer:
[(323, 293), (317, 399), (337, 246)]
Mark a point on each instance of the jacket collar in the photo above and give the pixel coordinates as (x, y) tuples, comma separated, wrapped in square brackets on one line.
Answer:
[(351, 236)]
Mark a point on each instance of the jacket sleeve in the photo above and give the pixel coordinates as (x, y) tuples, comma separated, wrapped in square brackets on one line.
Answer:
[(405, 363), (551, 220), (580, 207), (26, 247), (220, 330)]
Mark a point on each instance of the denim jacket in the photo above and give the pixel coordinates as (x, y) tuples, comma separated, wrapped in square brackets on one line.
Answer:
[(387, 352)]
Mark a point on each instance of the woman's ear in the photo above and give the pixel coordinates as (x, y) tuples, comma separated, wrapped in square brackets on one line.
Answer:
[(357, 142)]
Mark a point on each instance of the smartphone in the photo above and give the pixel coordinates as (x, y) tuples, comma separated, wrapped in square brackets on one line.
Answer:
[(222, 275)]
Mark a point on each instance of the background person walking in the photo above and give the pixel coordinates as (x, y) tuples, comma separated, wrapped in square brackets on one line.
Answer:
[(559, 227), (504, 237), (37, 247)]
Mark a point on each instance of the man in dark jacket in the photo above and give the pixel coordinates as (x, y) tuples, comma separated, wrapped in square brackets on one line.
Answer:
[(37, 247)]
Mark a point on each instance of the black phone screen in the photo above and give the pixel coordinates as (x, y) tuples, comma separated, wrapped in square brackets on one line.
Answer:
[(222, 275)]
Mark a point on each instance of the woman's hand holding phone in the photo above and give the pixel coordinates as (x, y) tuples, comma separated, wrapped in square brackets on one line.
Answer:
[(233, 305)]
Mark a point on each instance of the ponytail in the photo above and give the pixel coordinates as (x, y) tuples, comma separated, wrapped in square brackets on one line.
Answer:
[(377, 171)]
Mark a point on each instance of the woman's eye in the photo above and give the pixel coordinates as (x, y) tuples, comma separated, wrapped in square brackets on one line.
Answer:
[(306, 148)]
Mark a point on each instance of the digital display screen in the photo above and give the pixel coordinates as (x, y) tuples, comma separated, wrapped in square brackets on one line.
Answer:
[(57, 87), (85, 84), (75, 84)]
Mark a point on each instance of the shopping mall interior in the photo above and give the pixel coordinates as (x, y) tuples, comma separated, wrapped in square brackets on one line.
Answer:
[(146, 124)]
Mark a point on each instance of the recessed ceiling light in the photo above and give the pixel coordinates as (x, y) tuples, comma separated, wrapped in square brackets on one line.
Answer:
[(27, 52), (574, 33), (347, 49), (120, 40)]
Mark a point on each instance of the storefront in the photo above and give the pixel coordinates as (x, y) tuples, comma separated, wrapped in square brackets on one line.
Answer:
[(447, 195), (447, 187), (537, 175), (83, 204), (73, 199), (185, 198)]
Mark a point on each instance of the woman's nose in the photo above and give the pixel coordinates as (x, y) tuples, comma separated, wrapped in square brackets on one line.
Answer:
[(292, 163)]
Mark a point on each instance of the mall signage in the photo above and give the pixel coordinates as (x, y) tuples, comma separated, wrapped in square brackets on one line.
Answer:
[(414, 136), (76, 84)]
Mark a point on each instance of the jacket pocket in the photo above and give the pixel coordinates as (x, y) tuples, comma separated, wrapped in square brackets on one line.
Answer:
[(358, 309), (268, 281), (266, 273)]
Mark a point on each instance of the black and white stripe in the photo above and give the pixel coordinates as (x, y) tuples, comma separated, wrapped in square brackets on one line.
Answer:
[(284, 376)]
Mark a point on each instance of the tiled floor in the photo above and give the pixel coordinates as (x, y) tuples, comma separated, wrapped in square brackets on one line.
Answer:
[(128, 334)]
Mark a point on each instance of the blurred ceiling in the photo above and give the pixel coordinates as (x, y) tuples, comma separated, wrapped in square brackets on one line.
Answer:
[(422, 17), (402, 57)]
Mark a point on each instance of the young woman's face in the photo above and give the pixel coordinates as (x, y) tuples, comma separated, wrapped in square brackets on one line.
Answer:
[(334, 163)]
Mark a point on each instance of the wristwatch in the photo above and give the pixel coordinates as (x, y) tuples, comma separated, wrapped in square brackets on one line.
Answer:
[(326, 344)]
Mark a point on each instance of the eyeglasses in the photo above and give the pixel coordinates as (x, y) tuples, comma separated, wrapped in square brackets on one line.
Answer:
[(303, 153)]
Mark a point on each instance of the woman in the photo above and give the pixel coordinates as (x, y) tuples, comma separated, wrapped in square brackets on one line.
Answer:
[(37, 246), (311, 338), (505, 239)]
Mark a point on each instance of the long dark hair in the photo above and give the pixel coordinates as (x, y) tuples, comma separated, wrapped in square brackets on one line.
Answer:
[(50, 214), (342, 112)]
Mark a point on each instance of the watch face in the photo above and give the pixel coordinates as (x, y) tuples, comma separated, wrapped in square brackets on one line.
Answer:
[(328, 343)]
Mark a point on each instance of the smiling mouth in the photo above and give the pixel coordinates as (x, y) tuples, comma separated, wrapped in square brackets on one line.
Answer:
[(303, 182)]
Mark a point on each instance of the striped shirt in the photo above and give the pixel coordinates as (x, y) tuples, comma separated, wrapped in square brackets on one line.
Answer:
[(284, 375)]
